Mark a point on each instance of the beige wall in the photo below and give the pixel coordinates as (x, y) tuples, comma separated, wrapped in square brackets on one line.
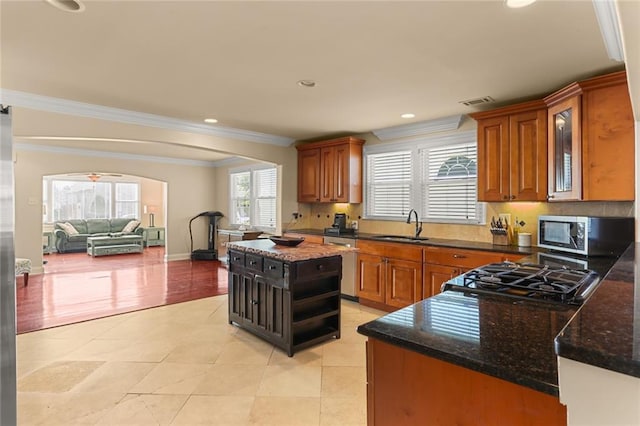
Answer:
[(190, 189)]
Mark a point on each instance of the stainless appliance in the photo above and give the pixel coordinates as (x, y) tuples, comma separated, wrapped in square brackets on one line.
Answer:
[(547, 283), (589, 236), (348, 284), (8, 409), (339, 226)]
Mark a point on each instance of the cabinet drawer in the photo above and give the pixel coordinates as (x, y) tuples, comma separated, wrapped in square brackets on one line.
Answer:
[(273, 268), (311, 268), (236, 258), (459, 257), (390, 250), (253, 262)]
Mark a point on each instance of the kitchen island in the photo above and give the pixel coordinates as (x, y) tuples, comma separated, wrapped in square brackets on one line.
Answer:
[(289, 296)]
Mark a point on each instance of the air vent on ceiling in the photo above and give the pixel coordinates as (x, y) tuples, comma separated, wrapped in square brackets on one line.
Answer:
[(478, 101)]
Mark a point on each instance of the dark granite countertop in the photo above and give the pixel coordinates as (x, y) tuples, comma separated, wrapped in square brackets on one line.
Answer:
[(606, 330), (438, 242), (497, 336), (509, 338)]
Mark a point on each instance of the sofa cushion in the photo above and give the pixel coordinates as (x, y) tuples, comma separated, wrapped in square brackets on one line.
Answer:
[(78, 237), (79, 224), (131, 226), (68, 228), (118, 224), (96, 226)]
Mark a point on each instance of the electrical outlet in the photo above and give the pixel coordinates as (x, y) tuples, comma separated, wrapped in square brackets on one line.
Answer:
[(354, 224), (506, 218)]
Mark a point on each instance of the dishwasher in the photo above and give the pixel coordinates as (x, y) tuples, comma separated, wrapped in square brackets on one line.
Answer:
[(348, 284)]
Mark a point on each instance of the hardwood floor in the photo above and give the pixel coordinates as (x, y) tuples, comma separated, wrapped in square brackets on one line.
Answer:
[(76, 287)]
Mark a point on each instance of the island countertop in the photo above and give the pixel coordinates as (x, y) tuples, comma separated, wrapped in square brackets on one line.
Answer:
[(303, 251)]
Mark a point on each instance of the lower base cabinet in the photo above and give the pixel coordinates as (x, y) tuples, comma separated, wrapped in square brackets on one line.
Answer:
[(408, 388), (292, 305)]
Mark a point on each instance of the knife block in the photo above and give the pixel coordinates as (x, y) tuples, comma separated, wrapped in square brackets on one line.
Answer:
[(501, 239)]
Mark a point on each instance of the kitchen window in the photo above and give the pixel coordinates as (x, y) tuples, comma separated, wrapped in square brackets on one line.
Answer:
[(436, 176), (252, 200)]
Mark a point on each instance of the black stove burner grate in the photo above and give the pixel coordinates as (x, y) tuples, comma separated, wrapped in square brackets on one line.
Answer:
[(543, 282)]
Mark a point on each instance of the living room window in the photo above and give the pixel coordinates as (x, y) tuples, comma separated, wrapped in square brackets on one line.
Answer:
[(68, 198), (252, 198), (437, 176)]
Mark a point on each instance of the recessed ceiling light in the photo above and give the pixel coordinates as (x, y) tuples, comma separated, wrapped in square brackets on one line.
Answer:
[(408, 115), (210, 120), (73, 6), (515, 4), (306, 83)]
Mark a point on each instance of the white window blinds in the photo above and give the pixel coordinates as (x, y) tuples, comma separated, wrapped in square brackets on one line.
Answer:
[(253, 198), (449, 183), (437, 176), (389, 177), (265, 197)]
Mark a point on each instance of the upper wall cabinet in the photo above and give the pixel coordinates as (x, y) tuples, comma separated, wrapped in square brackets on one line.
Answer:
[(591, 141), (330, 171), (512, 153)]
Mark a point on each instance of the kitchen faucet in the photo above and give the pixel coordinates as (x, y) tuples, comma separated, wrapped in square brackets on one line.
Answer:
[(418, 224)]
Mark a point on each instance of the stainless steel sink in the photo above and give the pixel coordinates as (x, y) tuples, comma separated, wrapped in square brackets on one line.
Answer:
[(399, 238)]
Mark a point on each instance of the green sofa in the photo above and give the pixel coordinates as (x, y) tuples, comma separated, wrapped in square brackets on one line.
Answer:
[(68, 242)]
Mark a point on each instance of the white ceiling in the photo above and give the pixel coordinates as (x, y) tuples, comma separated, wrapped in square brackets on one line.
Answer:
[(239, 61)]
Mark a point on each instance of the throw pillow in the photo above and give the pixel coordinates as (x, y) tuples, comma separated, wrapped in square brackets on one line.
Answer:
[(68, 228), (131, 226)]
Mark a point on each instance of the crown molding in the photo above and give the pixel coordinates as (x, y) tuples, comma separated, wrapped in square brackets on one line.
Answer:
[(421, 128), (81, 109), (608, 21), (117, 155)]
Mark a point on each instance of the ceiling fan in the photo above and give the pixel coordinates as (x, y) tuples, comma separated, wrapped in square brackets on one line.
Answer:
[(93, 176)]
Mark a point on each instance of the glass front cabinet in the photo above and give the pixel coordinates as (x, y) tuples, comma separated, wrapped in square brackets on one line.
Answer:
[(564, 149)]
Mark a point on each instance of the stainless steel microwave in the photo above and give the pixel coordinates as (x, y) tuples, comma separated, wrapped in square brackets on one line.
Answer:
[(587, 235)]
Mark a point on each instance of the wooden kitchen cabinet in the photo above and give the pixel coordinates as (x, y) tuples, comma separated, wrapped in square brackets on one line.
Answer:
[(591, 141), (435, 276), (405, 387), (330, 171), (512, 153), (389, 275)]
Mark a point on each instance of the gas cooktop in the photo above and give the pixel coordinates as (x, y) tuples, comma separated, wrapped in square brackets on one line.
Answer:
[(555, 284)]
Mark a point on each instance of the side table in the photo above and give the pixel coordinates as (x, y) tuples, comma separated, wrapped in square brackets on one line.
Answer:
[(153, 236)]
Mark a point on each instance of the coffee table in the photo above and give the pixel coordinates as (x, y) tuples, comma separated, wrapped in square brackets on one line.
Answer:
[(114, 244)]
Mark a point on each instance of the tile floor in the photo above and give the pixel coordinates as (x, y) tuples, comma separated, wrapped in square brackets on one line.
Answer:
[(183, 364)]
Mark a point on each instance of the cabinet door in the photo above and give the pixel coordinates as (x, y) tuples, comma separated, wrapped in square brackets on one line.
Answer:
[(341, 174), (528, 154), (276, 310), (371, 277), (309, 176), (260, 302), (608, 150), (435, 276), (403, 283), (564, 142), (493, 159), (327, 174), (235, 297)]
